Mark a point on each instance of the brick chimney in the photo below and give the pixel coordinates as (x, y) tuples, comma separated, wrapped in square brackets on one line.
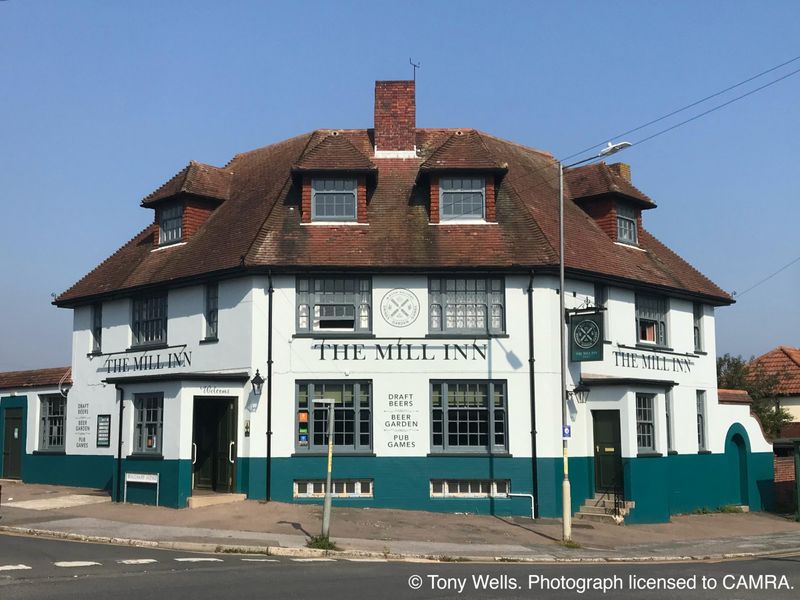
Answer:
[(395, 119), (621, 169)]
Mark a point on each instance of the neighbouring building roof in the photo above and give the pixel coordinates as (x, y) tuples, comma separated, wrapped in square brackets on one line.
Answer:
[(259, 226), (35, 378), (783, 361), (734, 396), (600, 179), (197, 179)]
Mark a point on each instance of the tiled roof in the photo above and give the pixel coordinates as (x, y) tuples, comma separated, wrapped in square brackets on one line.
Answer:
[(599, 179), (259, 225), (195, 178), (334, 153), (36, 378), (783, 361), (734, 396), (462, 150)]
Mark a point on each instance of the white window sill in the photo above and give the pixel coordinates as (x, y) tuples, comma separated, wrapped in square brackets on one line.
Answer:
[(465, 222), (166, 246), (631, 246), (335, 223)]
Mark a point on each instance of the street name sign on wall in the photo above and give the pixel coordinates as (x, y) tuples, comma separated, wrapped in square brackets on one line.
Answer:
[(586, 337)]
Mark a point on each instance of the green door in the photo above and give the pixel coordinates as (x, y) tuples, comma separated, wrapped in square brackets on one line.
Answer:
[(607, 451), (214, 444), (12, 444)]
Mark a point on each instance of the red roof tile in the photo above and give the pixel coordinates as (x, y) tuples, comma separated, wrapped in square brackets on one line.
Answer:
[(259, 224), (334, 153), (463, 151), (783, 361), (36, 378), (599, 179), (195, 178), (734, 396)]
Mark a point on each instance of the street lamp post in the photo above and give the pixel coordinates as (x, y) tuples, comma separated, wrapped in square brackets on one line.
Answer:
[(326, 505), (566, 493)]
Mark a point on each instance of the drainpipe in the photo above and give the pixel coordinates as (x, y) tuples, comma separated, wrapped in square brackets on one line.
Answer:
[(119, 442), (534, 465), (270, 292)]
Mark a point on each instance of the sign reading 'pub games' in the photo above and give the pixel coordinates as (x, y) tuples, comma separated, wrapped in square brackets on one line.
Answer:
[(586, 337)]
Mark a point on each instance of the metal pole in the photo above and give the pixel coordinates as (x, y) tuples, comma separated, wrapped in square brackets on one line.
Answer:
[(566, 495), (326, 507), (268, 474), (797, 480)]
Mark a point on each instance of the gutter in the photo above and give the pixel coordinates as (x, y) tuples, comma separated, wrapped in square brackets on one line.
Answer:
[(532, 384), (119, 442), (270, 292)]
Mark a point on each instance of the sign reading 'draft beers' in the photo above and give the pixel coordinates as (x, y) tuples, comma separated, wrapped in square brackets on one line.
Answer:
[(586, 337)]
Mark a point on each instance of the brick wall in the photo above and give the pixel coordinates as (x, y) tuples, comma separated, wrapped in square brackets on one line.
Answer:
[(434, 198), (491, 212), (305, 200), (395, 115), (604, 212), (195, 213), (361, 200), (784, 484)]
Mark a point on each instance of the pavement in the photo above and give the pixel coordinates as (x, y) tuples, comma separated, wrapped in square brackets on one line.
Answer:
[(281, 529)]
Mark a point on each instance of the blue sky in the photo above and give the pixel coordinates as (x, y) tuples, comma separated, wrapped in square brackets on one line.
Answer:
[(101, 102)]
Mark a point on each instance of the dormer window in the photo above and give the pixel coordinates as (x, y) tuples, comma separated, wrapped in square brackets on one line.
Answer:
[(333, 199), (626, 225), (170, 226), (462, 198)]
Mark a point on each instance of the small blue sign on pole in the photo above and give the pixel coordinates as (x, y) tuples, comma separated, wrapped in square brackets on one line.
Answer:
[(566, 431)]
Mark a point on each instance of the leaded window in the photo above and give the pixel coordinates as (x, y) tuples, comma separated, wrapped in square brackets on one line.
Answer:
[(462, 198), (334, 304), (148, 423), (149, 320), (352, 416), (212, 311), (697, 310), (651, 319), (466, 305), (645, 423), (171, 224), (53, 411), (701, 420), (626, 224), (469, 416), (97, 327), (333, 199)]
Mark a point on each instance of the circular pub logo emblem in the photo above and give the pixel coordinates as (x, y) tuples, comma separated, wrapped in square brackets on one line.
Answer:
[(400, 307), (586, 334)]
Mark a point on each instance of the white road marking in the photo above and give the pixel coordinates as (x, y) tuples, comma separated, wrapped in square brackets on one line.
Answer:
[(367, 559), (77, 563), (260, 559), (195, 559), (314, 559), (13, 567), (138, 561)]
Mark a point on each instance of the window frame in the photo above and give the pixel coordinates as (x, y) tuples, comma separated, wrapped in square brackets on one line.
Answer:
[(324, 193), (491, 448), (171, 215), (139, 306), (211, 310), (627, 224), (701, 412), (657, 313), (49, 419), (668, 410), (361, 423), (142, 422), (645, 428), (439, 299), (97, 328), (446, 484), (697, 326), (358, 484), (444, 191), (308, 298)]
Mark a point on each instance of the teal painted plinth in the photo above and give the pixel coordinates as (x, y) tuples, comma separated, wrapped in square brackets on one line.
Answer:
[(175, 481), (93, 471), (398, 482), (551, 479)]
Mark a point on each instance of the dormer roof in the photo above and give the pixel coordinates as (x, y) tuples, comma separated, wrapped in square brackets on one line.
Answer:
[(197, 179), (463, 151), (600, 179), (333, 153)]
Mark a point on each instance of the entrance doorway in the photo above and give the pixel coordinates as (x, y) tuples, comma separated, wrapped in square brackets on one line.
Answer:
[(214, 444), (607, 451), (737, 457), (12, 444)]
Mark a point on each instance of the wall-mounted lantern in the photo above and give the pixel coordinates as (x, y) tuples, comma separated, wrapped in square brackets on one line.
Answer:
[(258, 383)]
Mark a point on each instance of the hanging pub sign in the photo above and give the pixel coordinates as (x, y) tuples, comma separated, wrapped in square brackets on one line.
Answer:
[(586, 337)]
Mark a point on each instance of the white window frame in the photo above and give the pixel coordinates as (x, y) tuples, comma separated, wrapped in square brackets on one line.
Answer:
[(702, 420), (315, 488), (453, 186), (644, 424), (487, 488), (324, 189), (170, 225)]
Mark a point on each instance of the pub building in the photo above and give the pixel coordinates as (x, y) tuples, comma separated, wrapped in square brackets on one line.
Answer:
[(411, 276)]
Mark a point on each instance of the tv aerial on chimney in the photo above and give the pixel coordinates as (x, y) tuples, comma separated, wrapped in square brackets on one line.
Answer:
[(415, 66)]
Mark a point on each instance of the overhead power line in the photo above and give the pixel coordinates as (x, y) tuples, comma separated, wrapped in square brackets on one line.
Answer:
[(755, 285)]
